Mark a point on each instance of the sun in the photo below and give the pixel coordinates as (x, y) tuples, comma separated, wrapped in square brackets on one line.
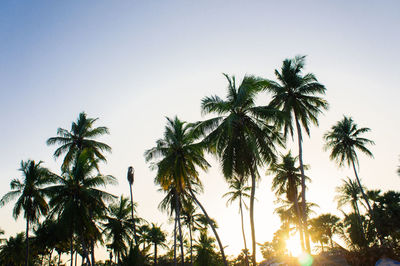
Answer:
[(293, 246)]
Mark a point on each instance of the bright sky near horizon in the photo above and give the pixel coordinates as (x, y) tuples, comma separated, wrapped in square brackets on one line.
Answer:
[(132, 63)]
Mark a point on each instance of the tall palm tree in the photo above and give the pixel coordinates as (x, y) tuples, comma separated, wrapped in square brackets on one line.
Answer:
[(77, 201), (287, 180), (296, 94), (31, 194), (241, 135), (157, 237), (118, 227), (239, 191), (180, 156), (344, 139), (80, 137)]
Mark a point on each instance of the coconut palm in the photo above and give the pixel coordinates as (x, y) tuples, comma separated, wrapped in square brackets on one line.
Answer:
[(77, 201), (12, 251), (327, 224), (190, 219), (287, 180), (296, 94), (241, 135), (31, 195), (157, 237), (118, 227), (239, 191), (344, 139), (80, 137), (180, 156)]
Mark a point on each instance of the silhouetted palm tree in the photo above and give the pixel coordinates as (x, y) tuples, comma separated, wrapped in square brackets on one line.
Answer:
[(296, 95), (190, 219), (31, 195), (327, 225), (12, 251), (287, 180), (80, 137), (241, 135), (239, 191), (180, 156), (76, 199), (344, 139), (157, 237), (118, 227)]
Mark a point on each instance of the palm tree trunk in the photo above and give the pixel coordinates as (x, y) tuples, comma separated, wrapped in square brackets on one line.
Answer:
[(253, 231), (72, 250), (92, 252), (191, 244), (244, 235), (133, 219), (357, 210), (303, 187), (175, 263), (301, 230), (367, 201), (76, 258), (178, 214), (221, 248), (361, 188), (155, 254), (27, 240)]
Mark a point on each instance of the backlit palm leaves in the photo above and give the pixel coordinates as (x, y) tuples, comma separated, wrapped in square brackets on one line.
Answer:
[(296, 94), (80, 137), (241, 135), (31, 194)]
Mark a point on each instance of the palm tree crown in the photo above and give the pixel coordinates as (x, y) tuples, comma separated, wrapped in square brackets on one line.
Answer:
[(344, 139), (80, 137)]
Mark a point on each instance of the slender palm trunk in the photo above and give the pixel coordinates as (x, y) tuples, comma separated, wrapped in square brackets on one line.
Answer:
[(244, 235), (253, 231), (221, 248), (175, 263), (361, 188), (27, 241), (178, 214), (381, 240), (155, 253), (301, 230), (76, 258), (72, 249), (303, 187), (357, 210), (191, 244), (92, 252), (133, 219)]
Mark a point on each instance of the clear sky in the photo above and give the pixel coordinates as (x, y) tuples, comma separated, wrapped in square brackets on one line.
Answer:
[(132, 63)]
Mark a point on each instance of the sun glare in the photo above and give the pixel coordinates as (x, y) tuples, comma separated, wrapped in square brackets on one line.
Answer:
[(293, 246)]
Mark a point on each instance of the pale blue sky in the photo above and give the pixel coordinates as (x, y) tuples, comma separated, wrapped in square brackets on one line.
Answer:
[(132, 63)]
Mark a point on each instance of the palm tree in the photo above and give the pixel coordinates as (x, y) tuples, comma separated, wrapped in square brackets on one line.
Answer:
[(157, 237), (12, 251), (327, 225), (180, 156), (77, 201), (118, 227), (190, 219), (80, 137), (240, 135), (205, 250), (344, 139), (131, 178), (296, 95), (31, 195), (287, 180), (239, 191)]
